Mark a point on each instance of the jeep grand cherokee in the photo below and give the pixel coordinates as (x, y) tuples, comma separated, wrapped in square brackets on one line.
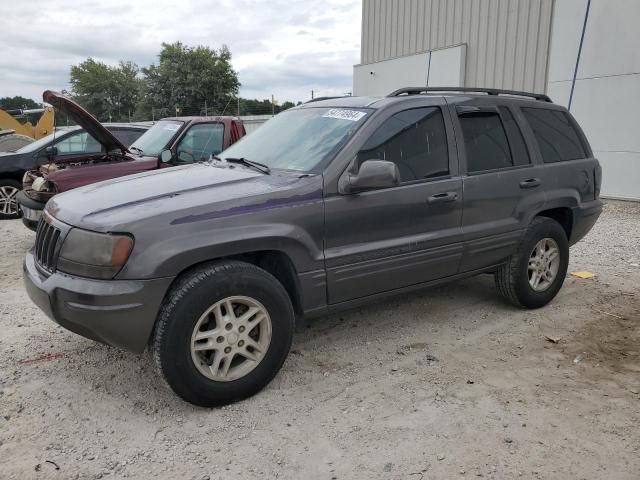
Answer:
[(327, 206)]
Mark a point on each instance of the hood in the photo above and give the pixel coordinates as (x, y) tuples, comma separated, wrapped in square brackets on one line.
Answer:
[(84, 119), (183, 193), (73, 176)]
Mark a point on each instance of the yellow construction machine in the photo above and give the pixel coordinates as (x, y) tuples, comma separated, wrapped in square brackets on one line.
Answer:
[(20, 127)]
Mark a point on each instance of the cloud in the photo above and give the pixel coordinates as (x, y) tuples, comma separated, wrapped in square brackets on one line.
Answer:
[(281, 47)]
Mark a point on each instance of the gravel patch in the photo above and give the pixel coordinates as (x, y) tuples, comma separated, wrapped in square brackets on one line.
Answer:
[(445, 383)]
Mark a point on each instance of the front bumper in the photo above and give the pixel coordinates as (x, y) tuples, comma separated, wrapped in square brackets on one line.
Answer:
[(31, 210), (120, 313)]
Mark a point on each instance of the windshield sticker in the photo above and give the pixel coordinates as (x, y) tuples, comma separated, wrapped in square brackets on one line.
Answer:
[(172, 126), (352, 115)]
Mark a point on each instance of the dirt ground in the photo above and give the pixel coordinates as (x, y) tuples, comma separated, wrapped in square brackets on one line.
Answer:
[(446, 383)]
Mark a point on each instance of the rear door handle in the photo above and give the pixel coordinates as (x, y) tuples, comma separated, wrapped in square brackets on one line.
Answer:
[(530, 183), (442, 198)]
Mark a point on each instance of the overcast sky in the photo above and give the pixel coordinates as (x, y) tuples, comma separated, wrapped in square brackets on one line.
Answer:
[(284, 47)]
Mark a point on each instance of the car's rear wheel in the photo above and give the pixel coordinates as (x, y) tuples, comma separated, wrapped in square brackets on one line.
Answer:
[(532, 276), (223, 333), (9, 207)]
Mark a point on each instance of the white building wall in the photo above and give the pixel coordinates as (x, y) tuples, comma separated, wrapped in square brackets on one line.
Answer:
[(507, 40), (447, 67), (381, 78), (443, 67), (606, 99)]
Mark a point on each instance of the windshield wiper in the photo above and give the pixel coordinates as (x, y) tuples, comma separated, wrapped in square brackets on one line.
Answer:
[(250, 163), (136, 149)]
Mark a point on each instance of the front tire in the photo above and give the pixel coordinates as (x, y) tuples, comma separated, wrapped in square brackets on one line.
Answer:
[(223, 333), (9, 207), (532, 276)]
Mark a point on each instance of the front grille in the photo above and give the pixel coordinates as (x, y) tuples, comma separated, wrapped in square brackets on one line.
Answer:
[(47, 237)]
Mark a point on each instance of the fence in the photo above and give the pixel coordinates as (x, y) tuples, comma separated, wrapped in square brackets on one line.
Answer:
[(251, 121), (252, 112)]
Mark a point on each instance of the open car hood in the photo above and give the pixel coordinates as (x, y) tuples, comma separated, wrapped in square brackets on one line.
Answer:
[(84, 119)]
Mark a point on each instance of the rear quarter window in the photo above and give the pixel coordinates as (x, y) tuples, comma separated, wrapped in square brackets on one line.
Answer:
[(556, 135)]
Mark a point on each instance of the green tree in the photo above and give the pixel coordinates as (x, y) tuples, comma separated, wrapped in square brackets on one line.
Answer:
[(190, 77), (261, 107), (110, 93), (13, 103)]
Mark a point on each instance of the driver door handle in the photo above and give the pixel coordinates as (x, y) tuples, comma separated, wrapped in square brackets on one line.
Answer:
[(530, 183), (444, 197)]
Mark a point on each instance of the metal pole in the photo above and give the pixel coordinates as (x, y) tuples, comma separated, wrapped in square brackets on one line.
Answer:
[(206, 111), (273, 106), (575, 72), (238, 106)]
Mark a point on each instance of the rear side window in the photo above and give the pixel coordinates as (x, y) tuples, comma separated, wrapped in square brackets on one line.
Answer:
[(485, 141), (415, 140), (518, 147), (557, 138)]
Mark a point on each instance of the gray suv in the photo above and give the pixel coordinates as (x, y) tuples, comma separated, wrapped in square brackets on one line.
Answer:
[(327, 206)]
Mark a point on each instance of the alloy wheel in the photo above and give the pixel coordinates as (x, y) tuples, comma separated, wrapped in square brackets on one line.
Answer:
[(8, 200), (231, 338), (544, 263)]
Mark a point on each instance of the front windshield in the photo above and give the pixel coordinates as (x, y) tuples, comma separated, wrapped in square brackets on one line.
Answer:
[(299, 139), (156, 139), (43, 142)]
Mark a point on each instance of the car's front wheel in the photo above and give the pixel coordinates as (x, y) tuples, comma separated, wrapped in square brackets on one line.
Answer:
[(9, 207), (532, 276), (223, 333)]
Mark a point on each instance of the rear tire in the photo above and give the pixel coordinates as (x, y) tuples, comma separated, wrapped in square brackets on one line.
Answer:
[(9, 207), (202, 330), (532, 276)]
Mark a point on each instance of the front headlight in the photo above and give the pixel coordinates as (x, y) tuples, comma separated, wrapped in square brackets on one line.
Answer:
[(40, 185), (94, 255)]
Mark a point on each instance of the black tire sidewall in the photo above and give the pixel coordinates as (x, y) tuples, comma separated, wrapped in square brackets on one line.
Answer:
[(15, 184), (175, 349), (548, 228)]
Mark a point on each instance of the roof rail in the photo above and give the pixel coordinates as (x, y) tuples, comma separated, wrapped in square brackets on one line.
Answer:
[(489, 91), (319, 99)]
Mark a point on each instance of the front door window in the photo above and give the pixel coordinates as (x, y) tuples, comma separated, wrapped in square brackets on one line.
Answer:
[(201, 142), (415, 140)]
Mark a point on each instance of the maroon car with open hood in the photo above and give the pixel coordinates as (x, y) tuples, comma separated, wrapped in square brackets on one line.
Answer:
[(184, 139)]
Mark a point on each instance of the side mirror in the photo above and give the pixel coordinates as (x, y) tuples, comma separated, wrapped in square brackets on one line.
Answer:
[(166, 156), (51, 152), (373, 174)]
